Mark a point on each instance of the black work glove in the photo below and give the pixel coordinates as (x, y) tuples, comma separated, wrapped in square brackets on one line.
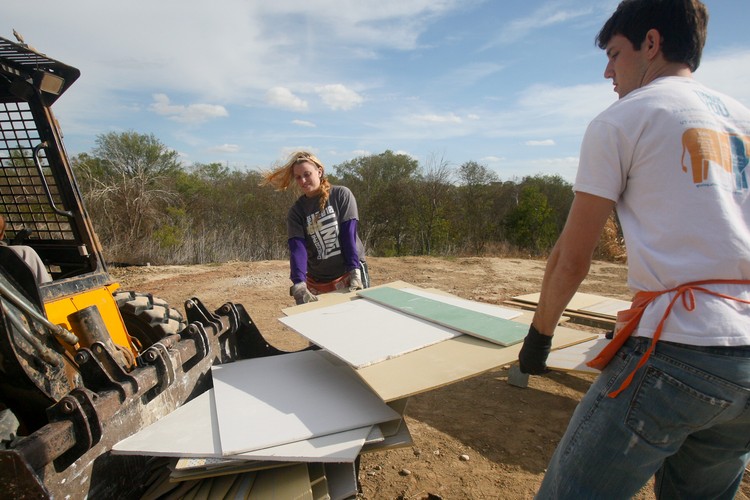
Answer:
[(533, 356)]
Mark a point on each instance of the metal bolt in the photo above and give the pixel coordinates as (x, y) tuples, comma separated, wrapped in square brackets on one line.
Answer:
[(82, 357), (67, 406)]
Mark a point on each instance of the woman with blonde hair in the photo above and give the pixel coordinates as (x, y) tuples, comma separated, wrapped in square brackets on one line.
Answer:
[(325, 251)]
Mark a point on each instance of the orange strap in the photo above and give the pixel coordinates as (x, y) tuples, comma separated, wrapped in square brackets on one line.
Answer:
[(318, 287), (628, 320)]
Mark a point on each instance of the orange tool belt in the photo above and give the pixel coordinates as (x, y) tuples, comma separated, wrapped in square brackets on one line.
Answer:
[(318, 287), (628, 320)]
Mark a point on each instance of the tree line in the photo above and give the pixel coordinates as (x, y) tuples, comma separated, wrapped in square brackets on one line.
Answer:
[(146, 206)]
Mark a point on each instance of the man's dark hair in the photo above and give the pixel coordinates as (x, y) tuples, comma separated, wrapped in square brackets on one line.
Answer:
[(681, 24)]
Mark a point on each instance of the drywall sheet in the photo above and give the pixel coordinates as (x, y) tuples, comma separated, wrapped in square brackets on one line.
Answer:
[(361, 332), (342, 481), (285, 482), (298, 395), (192, 430), (448, 362), (488, 327), (401, 439), (471, 305), (575, 357)]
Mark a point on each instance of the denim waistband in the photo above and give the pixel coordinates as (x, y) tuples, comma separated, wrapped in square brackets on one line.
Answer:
[(740, 351)]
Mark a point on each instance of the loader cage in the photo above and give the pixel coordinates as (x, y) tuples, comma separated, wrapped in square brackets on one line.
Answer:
[(38, 194)]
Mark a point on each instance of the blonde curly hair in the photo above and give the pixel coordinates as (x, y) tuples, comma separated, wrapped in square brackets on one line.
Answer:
[(283, 177)]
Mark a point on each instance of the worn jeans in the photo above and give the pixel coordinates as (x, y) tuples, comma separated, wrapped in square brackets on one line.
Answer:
[(684, 418)]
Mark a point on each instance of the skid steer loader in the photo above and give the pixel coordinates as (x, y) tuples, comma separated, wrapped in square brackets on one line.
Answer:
[(82, 364)]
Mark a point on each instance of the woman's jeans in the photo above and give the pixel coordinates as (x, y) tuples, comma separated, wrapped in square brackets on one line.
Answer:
[(685, 418)]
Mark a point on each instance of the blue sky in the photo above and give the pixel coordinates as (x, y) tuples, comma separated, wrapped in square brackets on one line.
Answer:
[(510, 84)]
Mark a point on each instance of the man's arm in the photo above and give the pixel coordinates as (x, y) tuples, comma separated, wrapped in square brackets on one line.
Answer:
[(567, 266), (570, 260)]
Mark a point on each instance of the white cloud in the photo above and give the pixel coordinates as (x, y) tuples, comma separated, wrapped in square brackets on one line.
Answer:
[(492, 159), (549, 14), (545, 142), (303, 123), (437, 118), (225, 148), (193, 113), (282, 97), (337, 96)]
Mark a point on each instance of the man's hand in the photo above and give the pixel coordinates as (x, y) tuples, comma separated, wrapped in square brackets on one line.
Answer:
[(533, 356), (355, 280), (301, 294)]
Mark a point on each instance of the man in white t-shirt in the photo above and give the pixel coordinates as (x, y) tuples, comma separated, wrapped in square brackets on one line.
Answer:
[(673, 399)]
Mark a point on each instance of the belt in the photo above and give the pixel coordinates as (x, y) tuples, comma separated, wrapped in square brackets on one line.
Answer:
[(318, 287), (628, 320)]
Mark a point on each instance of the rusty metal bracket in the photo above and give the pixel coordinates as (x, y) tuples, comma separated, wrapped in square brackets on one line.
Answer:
[(197, 312), (158, 356), (198, 334), (79, 408), (100, 371)]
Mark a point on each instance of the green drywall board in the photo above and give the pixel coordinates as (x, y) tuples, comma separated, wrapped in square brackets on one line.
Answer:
[(493, 329)]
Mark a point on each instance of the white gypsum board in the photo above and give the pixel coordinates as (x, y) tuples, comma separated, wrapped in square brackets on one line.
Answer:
[(362, 332), (192, 431), (274, 400)]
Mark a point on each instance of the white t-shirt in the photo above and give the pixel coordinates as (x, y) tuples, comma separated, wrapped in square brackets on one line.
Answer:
[(673, 156)]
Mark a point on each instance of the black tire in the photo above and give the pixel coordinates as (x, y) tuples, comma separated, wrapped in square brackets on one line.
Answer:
[(147, 318)]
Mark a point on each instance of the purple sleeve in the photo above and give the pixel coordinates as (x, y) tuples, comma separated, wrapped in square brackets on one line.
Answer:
[(297, 260), (348, 240)]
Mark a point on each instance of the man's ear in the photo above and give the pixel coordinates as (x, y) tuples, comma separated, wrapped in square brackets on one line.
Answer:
[(652, 42)]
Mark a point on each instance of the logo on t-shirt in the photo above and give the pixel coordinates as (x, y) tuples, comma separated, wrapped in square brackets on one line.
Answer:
[(716, 157), (323, 229)]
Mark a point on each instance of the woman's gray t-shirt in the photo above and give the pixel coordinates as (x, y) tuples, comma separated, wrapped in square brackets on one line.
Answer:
[(321, 231)]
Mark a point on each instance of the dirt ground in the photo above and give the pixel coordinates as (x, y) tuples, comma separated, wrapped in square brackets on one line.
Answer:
[(507, 433)]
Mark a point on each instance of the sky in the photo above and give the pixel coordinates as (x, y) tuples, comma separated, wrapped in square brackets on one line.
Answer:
[(510, 84)]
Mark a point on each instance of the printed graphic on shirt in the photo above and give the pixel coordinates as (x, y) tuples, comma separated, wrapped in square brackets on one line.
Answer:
[(716, 157), (323, 228)]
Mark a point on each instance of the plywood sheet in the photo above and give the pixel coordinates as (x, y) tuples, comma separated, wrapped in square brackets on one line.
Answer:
[(443, 363), (298, 396), (575, 357), (330, 299), (609, 307), (447, 362), (478, 324), (361, 332), (585, 302)]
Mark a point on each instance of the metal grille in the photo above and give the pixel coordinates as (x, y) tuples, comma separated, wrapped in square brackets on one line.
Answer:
[(23, 200)]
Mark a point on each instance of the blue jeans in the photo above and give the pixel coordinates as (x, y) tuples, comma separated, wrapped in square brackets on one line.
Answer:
[(685, 418)]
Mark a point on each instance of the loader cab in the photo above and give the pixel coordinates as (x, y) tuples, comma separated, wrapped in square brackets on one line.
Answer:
[(38, 194), (40, 200)]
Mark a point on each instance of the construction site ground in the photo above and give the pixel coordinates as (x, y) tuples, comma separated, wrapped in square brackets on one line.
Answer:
[(480, 438)]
